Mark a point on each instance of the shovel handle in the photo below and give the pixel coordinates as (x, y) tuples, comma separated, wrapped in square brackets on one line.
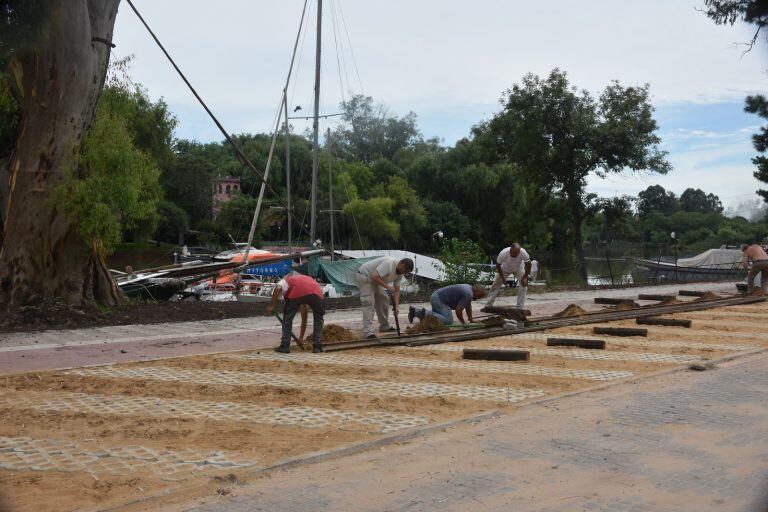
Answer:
[(277, 315)]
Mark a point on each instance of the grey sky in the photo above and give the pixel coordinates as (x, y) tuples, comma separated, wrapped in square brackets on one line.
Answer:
[(449, 61)]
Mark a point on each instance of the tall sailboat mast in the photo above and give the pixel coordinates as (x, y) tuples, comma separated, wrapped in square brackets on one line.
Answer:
[(315, 124), (287, 167)]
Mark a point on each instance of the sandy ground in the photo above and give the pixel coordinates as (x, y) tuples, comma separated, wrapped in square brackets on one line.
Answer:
[(267, 443)]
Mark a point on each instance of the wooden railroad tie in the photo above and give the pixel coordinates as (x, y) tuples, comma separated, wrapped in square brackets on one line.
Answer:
[(610, 300), (508, 312), (496, 355), (653, 296), (690, 293), (670, 322), (620, 331), (571, 342)]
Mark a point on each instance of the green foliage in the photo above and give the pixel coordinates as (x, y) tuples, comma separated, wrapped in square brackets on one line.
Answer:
[(112, 187), (149, 123), (759, 105), (558, 135), (754, 12), (656, 199), (173, 222), (369, 132), (463, 261), (696, 200), (374, 219), (236, 215)]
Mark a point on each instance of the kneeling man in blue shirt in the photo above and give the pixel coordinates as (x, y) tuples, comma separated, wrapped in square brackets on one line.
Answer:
[(445, 301)]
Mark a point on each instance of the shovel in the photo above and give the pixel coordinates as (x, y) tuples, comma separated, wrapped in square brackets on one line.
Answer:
[(397, 318)]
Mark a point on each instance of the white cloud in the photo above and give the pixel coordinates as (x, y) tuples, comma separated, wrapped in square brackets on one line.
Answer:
[(436, 55)]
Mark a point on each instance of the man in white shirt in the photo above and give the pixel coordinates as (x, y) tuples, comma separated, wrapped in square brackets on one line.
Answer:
[(375, 278), (512, 260)]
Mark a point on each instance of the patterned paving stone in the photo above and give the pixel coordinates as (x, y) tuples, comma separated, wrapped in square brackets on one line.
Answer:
[(339, 385), (401, 362), (574, 353), (28, 454), (308, 417), (731, 347)]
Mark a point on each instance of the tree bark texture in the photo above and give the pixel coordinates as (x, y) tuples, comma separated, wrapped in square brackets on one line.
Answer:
[(57, 83)]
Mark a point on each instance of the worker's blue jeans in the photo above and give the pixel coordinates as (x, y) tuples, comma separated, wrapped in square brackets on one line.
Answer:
[(440, 310)]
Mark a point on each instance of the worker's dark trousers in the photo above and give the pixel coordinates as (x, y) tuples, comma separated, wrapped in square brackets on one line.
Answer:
[(292, 306)]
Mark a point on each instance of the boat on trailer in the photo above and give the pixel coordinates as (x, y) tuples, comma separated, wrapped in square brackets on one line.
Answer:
[(711, 265)]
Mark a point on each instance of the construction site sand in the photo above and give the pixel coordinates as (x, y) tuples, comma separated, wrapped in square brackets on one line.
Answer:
[(33, 491), (559, 363)]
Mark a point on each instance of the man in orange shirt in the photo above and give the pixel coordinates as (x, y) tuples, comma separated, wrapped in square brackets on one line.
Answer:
[(299, 290)]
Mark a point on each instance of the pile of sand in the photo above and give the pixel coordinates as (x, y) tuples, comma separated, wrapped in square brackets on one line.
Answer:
[(336, 333), (571, 310), (709, 296), (426, 325), (625, 305), (493, 321)]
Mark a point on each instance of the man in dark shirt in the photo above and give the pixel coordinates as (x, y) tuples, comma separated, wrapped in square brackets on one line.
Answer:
[(455, 298)]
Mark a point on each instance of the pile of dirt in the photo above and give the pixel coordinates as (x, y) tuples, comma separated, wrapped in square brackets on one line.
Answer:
[(335, 333), (570, 311), (625, 305), (668, 301), (426, 325), (709, 296), (757, 292), (493, 321)]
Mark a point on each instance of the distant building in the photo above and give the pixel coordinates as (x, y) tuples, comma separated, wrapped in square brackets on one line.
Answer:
[(223, 190)]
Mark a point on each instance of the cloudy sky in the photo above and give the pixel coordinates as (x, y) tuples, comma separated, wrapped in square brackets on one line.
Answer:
[(449, 61)]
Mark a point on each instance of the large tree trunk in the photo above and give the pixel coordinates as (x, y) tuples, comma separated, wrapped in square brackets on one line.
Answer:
[(57, 82)]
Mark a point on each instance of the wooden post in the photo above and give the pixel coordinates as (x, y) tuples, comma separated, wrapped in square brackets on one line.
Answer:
[(690, 293), (670, 322), (571, 342), (497, 355), (610, 300), (620, 331), (653, 296)]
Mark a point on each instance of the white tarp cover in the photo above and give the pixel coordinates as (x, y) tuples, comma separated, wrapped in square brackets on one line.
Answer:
[(713, 258), (423, 266)]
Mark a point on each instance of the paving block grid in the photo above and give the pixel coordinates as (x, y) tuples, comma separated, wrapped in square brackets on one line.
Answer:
[(431, 364), (28, 454), (572, 353), (306, 417), (642, 342), (334, 384), (691, 442)]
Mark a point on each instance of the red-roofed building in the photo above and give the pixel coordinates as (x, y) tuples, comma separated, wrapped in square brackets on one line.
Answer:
[(223, 190)]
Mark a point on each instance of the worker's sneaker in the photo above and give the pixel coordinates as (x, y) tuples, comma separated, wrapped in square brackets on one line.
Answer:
[(411, 314), (371, 337), (316, 349), (391, 329), (283, 350)]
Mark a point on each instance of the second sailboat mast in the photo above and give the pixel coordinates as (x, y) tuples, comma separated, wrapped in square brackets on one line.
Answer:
[(315, 124)]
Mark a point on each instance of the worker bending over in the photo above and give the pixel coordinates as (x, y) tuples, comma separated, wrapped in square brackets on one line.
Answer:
[(512, 260), (455, 298), (759, 266), (376, 279), (299, 291)]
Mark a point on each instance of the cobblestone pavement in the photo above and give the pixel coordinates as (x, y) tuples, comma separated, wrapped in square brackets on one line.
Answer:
[(57, 349), (680, 442), (27, 454)]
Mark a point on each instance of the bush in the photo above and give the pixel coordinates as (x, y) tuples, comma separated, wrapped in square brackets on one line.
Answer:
[(463, 261)]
